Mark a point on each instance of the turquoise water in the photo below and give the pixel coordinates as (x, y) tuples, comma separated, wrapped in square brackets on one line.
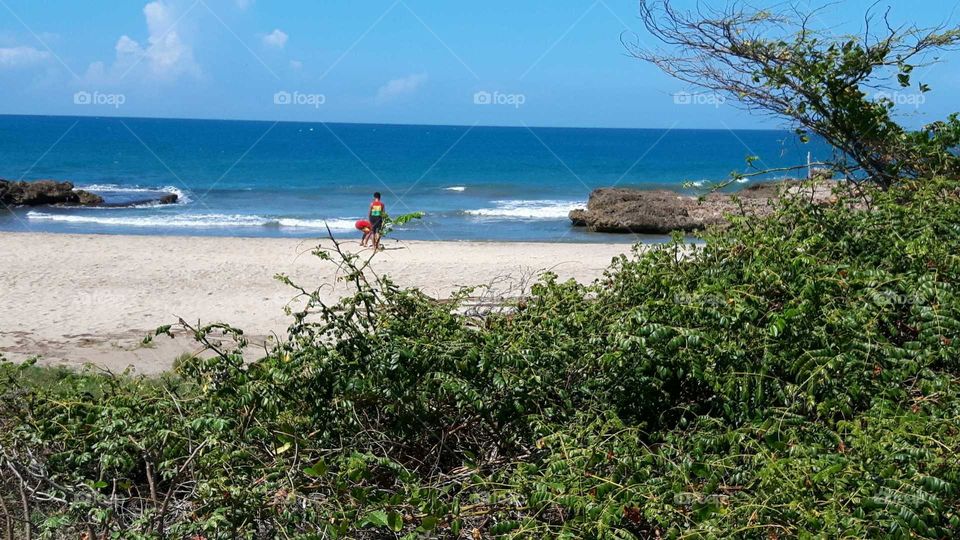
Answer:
[(293, 179)]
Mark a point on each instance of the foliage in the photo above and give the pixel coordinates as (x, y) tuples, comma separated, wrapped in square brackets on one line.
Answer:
[(391, 223), (843, 88), (795, 376)]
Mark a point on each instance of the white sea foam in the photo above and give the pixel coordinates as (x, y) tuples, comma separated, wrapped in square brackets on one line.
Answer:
[(334, 224), (195, 221), (525, 209), (455, 188), (182, 197)]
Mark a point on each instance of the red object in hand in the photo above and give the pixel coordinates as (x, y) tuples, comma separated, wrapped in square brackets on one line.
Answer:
[(363, 224)]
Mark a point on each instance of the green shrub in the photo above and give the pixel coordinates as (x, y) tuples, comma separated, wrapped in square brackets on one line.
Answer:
[(794, 376)]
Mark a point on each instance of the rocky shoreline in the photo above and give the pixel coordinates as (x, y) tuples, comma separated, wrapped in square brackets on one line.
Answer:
[(621, 210), (609, 210), (57, 193)]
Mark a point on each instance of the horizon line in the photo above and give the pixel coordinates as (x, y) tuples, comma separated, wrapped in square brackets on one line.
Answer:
[(173, 118)]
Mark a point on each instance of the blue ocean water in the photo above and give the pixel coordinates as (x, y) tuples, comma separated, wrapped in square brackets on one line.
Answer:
[(240, 178)]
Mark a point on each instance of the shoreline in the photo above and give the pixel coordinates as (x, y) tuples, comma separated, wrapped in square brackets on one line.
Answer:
[(76, 299), (627, 240)]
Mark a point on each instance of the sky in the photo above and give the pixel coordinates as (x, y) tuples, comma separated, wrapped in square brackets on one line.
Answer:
[(496, 62)]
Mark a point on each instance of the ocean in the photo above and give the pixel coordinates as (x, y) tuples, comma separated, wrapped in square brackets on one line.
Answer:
[(251, 178)]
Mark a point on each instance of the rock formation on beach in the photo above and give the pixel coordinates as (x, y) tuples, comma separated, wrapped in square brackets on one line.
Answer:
[(619, 210), (52, 192), (43, 192)]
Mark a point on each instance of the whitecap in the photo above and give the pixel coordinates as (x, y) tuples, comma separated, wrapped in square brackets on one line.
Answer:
[(527, 209), (194, 221), (182, 197), (456, 188), (334, 224), (177, 221)]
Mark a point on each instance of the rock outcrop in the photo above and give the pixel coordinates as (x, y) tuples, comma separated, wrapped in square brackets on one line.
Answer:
[(44, 192), (617, 210), (144, 199), (52, 192), (170, 198)]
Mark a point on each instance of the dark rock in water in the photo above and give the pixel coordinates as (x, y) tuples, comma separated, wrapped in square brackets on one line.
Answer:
[(139, 199), (85, 198), (616, 210), (44, 192)]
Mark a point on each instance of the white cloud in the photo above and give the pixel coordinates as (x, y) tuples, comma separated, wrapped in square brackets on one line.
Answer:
[(400, 87), (127, 48), (278, 38), (244, 4), (15, 57), (296, 65), (166, 54)]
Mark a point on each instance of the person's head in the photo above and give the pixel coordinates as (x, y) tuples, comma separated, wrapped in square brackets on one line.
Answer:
[(376, 196)]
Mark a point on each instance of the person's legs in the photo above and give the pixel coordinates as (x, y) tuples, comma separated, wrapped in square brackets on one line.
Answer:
[(377, 226)]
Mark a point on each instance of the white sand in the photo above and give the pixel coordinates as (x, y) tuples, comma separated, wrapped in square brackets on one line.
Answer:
[(78, 299)]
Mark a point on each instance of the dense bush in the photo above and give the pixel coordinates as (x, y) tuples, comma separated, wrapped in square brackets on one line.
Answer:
[(792, 376)]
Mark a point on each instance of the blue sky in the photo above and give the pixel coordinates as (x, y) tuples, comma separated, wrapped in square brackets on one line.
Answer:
[(546, 63)]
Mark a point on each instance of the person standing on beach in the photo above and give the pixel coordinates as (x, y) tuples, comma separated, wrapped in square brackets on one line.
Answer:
[(377, 214)]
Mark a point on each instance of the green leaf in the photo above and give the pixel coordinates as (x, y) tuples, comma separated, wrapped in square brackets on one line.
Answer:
[(317, 469), (377, 518), (429, 523), (395, 520)]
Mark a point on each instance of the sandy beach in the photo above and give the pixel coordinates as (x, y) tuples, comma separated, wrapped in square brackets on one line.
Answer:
[(91, 299)]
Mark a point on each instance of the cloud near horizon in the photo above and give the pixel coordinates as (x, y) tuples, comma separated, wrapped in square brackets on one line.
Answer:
[(397, 88)]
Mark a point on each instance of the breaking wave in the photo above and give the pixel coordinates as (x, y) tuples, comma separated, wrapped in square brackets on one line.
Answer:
[(196, 221), (527, 209), (182, 197)]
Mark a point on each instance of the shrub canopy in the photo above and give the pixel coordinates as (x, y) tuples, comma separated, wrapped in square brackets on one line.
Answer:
[(793, 376)]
